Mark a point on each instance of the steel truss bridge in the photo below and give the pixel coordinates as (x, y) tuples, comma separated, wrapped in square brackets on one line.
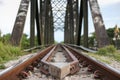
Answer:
[(65, 15)]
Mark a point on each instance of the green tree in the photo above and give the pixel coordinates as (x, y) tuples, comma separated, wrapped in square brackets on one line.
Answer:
[(0, 35), (91, 39), (110, 32), (25, 42), (6, 38)]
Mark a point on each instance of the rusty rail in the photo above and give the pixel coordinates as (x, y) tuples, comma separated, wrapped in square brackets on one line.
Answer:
[(101, 70), (82, 48), (74, 67), (19, 71)]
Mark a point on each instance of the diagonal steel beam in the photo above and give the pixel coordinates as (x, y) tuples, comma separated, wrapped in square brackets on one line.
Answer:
[(19, 23), (101, 34)]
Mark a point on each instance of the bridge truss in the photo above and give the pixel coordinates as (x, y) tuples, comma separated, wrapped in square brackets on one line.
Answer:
[(66, 15)]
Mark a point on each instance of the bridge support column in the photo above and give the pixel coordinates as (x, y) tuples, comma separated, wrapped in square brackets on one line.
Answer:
[(101, 34), (19, 23), (69, 23), (38, 24), (46, 22), (32, 22), (80, 24), (76, 19), (51, 26), (66, 27), (48, 29), (85, 15)]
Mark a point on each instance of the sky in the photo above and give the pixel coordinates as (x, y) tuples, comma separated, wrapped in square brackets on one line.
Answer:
[(8, 11)]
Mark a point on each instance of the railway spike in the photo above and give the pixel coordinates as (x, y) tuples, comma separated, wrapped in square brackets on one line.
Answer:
[(30, 68), (34, 64), (23, 74), (98, 74), (90, 68)]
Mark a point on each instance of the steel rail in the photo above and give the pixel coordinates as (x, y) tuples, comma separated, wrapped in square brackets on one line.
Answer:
[(101, 70), (82, 48), (19, 71), (72, 66)]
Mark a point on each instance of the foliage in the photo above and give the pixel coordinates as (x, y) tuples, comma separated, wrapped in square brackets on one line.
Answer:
[(91, 40), (0, 33), (116, 56), (108, 50), (25, 42), (102, 58), (2, 66), (82, 40), (55, 42), (36, 41), (107, 54), (6, 38), (110, 32), (102, 51), (8, 52)]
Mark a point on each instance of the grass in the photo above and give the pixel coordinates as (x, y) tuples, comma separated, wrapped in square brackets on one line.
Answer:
[(101, 58), (106, 54), (2, 66), (116, 56), (8, 52)]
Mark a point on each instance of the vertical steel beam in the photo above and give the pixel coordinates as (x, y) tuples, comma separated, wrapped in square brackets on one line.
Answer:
[(51, 26), (76, 20), (101, 35), (19, 23), (32, 23), (46, 8), (85, 15), (38, 24), (49, 23), (66, 26), (80, 23), (41, 20), (71, 20), (45, 15), (68, 22)]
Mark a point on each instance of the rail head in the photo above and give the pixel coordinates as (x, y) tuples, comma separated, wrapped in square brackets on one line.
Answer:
[(82, 48)]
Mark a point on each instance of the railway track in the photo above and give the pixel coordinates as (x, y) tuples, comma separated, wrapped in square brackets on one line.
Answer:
[(60, 62)]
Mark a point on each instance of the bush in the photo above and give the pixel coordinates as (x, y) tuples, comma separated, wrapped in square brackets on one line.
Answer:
[(107, 50), (102, 51), (8, 52), (2, 66), (110, 49)]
